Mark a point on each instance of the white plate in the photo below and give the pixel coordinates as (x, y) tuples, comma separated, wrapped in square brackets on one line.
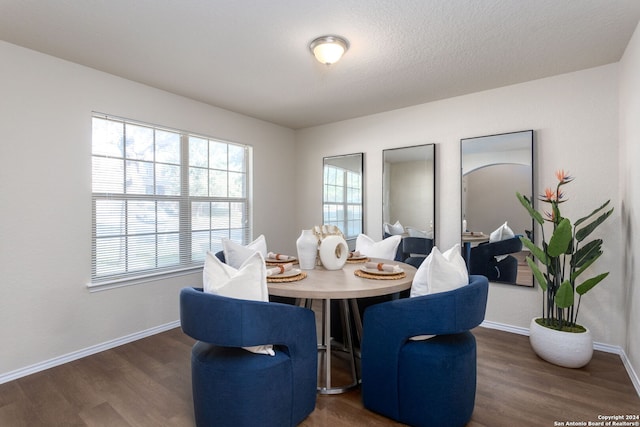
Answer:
[(381, 273), (357, 258), (290, 273)]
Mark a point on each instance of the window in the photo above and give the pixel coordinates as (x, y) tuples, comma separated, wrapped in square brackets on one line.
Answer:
[(342, 205), (162, 198)]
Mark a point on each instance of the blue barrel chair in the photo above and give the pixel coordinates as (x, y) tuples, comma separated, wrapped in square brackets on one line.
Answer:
[(429, 382)]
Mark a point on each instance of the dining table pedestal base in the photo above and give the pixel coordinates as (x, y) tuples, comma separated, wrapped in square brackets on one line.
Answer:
[(343, 286), (327, 349)]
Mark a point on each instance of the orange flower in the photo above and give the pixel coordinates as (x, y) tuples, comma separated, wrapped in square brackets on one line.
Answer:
[(549, 195), (563, 176), (550, 216)]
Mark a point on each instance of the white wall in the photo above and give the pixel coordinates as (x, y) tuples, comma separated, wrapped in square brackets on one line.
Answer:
[(630, 191), (46, 310), (575, 118), (488, 198), (412, 208)]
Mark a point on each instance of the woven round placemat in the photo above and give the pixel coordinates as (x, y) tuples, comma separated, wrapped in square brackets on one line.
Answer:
[(273, 262), (295, 278), (366, 275), (357, 261)]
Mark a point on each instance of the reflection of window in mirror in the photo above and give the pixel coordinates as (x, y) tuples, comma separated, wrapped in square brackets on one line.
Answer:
[(494, 168), (408, 191), (343, 194)]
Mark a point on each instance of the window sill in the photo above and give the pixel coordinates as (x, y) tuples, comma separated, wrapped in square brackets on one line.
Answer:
[(131, 281)]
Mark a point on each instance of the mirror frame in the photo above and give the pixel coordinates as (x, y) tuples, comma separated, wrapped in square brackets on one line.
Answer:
[(429, 227), (361, 162), (531, 191)]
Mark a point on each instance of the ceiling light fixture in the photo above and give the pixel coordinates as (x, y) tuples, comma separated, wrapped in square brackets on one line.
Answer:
[(329, 49)]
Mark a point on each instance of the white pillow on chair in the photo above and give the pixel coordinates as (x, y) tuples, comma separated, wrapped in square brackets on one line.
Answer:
[(248, 282), (235, 254), (385, 249), (501, 233), (440, 272), (414, 232), (393, 229)]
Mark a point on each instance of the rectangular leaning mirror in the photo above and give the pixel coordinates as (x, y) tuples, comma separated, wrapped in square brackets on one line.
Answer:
[(408, 191), (494, 168), (343, 194)]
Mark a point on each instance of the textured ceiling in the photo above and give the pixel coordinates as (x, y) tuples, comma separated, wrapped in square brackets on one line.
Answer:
[(252, 57)]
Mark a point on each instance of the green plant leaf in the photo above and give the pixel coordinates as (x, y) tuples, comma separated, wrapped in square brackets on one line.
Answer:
[(564, 295), (536, 251), (586, 253), (537, 274), (529, 207), (588, 284), (560, 239), (583, 219), (588, 229), (583, 267)]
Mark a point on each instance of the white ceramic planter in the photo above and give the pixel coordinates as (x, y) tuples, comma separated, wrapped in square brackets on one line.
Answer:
[(333, 252), (567, 349)]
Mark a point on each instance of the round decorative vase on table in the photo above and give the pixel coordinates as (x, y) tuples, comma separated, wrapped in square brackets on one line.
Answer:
[(333, 252), (307, 247), (567, 349)]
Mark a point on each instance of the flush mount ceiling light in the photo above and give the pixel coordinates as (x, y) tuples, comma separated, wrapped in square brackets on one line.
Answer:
[(329, 49)]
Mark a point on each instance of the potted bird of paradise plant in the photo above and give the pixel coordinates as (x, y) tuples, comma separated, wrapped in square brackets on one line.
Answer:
[(561, 261)]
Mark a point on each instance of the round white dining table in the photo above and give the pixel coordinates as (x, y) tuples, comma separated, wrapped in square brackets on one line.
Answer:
[(346, 286)]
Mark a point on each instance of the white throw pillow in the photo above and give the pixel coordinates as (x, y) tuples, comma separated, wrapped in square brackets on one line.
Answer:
[(235, 254), (248, 282), (393, 229), (501, 233), (440, 272), (414, 232), (385, 249)]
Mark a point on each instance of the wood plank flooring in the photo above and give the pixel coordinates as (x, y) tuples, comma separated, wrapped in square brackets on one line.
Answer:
[(147, 383)]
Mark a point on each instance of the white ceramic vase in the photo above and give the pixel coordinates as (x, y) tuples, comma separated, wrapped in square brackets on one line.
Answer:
[(333, 252), (568, 349), (307, 246)]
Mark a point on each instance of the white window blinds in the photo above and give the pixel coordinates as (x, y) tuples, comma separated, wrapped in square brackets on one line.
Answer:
[(162, 198), (342, 204)]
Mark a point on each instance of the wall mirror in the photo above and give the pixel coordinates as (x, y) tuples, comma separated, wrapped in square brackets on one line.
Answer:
[(494, 168), (343, 194), (408, 191)]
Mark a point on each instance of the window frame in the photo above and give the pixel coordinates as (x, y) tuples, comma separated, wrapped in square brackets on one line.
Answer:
[(344, 203), (189, 258)]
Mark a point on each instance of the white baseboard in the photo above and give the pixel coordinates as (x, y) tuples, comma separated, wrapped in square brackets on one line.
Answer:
[(66, 358), (607, 348)]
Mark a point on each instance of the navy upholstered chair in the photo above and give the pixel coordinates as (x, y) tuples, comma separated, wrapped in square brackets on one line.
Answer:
[(233, 387), (430, 382), (415, 250), (483, 261)]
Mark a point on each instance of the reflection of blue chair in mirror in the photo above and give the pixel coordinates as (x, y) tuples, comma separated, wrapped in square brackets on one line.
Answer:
[(415, 250), (233, 387), (429, 382), (483, 260)]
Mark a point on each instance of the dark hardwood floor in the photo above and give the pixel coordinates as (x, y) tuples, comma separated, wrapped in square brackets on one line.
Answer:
[(147, 383)]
